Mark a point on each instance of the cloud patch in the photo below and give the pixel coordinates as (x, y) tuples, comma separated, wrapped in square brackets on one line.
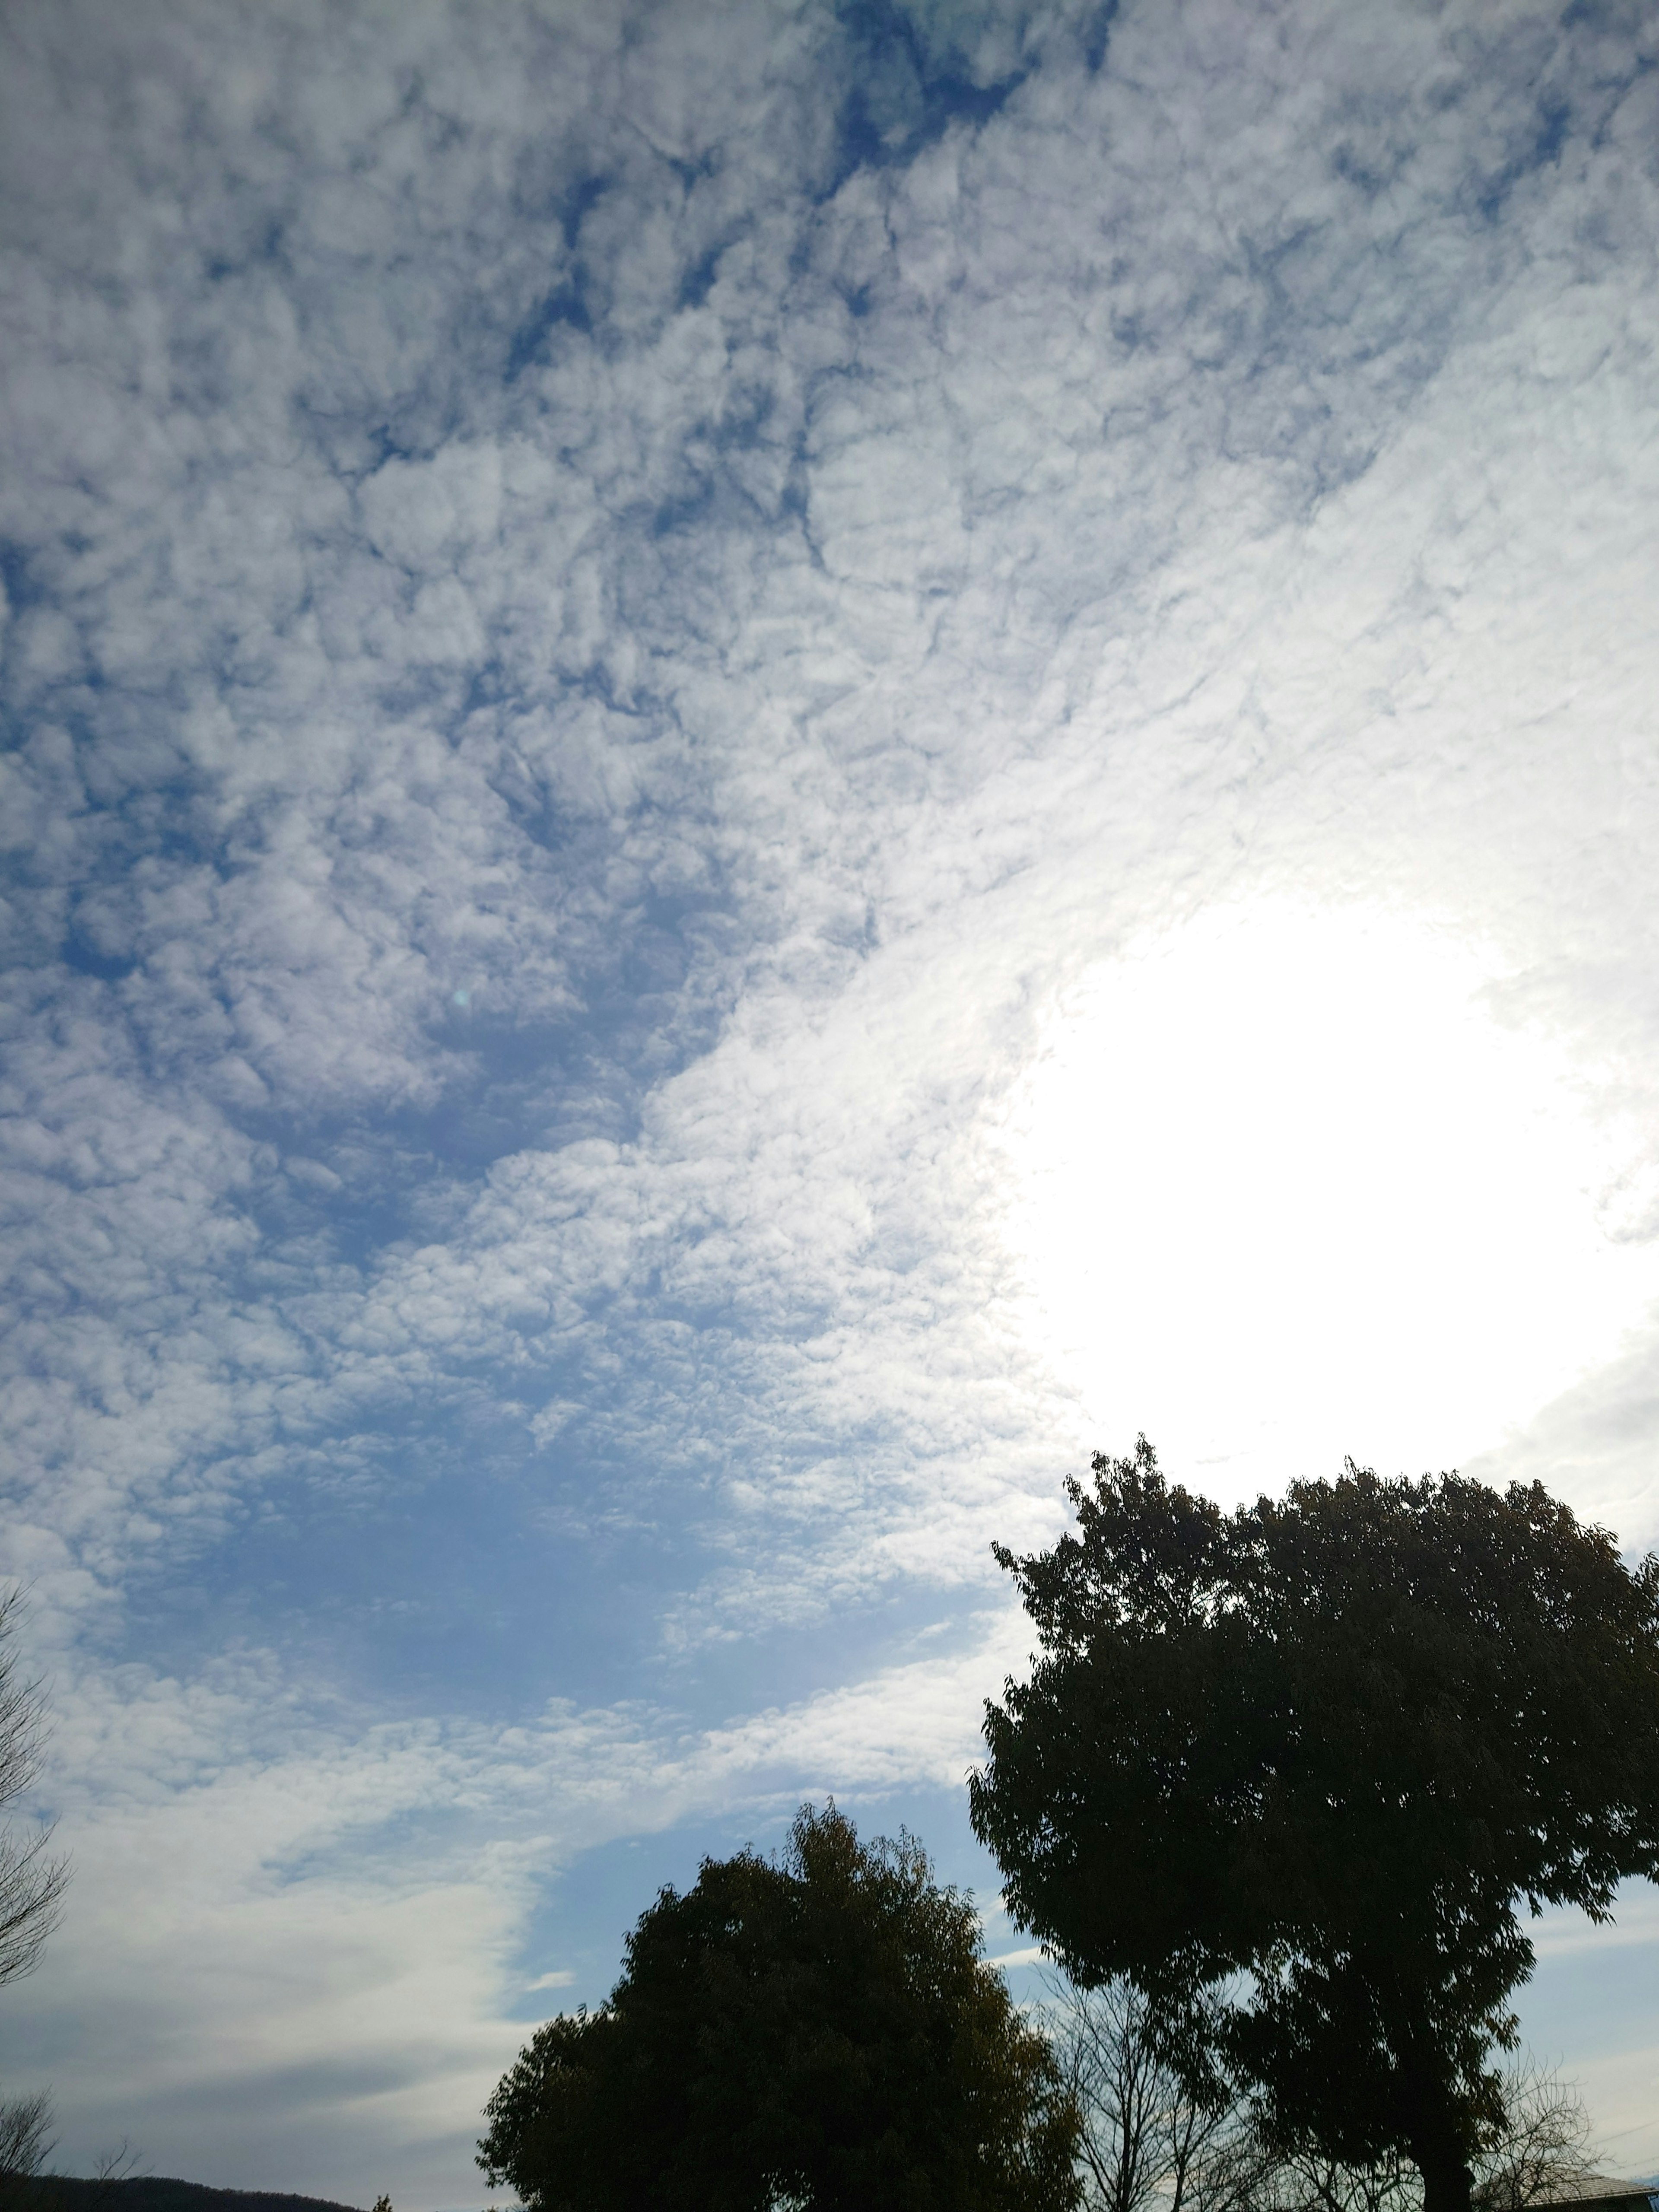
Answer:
[(606, 619)]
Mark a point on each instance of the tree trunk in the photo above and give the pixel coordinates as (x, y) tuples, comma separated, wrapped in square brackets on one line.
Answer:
[(1447, 2182), (1435, 2130)]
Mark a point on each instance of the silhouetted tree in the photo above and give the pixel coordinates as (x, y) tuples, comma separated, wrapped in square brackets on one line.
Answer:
[(1306, 1758), (1156, 2127), (817, 2030), (1542, 2155), (25, 2144)]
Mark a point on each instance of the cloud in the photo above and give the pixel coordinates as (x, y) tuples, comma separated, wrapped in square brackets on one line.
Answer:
[(607, 616), (278, 1920)]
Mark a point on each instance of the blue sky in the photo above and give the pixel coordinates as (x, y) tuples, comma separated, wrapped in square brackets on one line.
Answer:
[(764, 764)]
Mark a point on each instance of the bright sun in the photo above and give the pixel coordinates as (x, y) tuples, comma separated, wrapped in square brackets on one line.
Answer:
[(1284, 1188)]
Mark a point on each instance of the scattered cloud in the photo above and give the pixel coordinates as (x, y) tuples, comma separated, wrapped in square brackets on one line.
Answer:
[(610, 620)]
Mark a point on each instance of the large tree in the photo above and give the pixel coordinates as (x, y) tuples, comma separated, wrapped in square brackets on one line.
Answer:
[(1293, 1771), (815, 2030)]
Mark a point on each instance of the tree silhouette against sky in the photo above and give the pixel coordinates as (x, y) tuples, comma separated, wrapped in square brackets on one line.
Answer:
[(817, 2029), (1304, 1761)]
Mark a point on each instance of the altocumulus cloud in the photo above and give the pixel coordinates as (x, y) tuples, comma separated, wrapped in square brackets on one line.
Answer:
[(611, 615)]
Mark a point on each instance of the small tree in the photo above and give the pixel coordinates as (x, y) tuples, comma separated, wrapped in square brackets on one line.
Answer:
[(1155, 2127), (818, 2029), (1306, 1760), (25, 2140), (1542, 2156), (1131, 2104)]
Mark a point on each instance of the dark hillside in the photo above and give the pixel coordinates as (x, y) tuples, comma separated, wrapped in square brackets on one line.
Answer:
[(147, 2192)]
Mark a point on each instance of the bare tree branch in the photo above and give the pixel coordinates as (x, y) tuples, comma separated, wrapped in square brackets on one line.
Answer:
[(25, 2142), (1149, 2144), (32, 1880), (1544, 2154), (1148, 2139)]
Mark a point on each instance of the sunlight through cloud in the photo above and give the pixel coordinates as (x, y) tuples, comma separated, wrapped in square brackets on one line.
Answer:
[(1285, 1187)]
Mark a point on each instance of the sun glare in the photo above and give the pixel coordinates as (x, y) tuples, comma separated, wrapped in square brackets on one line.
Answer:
[(1285, 1187)]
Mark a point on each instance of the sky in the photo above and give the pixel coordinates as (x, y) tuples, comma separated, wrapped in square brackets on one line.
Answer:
[(765, 765)]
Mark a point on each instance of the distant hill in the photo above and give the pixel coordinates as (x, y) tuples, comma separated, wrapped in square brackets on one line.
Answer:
[(149, 2192)]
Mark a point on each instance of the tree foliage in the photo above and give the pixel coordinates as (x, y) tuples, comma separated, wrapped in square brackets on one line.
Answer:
[(820, 2029), (1308, 1759)]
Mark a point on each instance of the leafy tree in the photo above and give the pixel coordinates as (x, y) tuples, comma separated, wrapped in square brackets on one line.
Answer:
[(1306, 1758), (818, 2029)]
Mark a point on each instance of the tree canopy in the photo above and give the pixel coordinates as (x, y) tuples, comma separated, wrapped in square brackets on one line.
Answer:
[(818, 2029), (1309, 1758)]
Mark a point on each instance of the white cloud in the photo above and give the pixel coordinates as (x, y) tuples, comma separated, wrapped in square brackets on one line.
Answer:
[(328, 1931), (583, 700)]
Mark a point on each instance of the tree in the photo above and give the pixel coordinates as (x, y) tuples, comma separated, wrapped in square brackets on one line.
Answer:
[(1306, 1760), (817, 2030), (32, 1882), (1541, 2155), (1147, 2140), (1152, 2131), (25, 2144)]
